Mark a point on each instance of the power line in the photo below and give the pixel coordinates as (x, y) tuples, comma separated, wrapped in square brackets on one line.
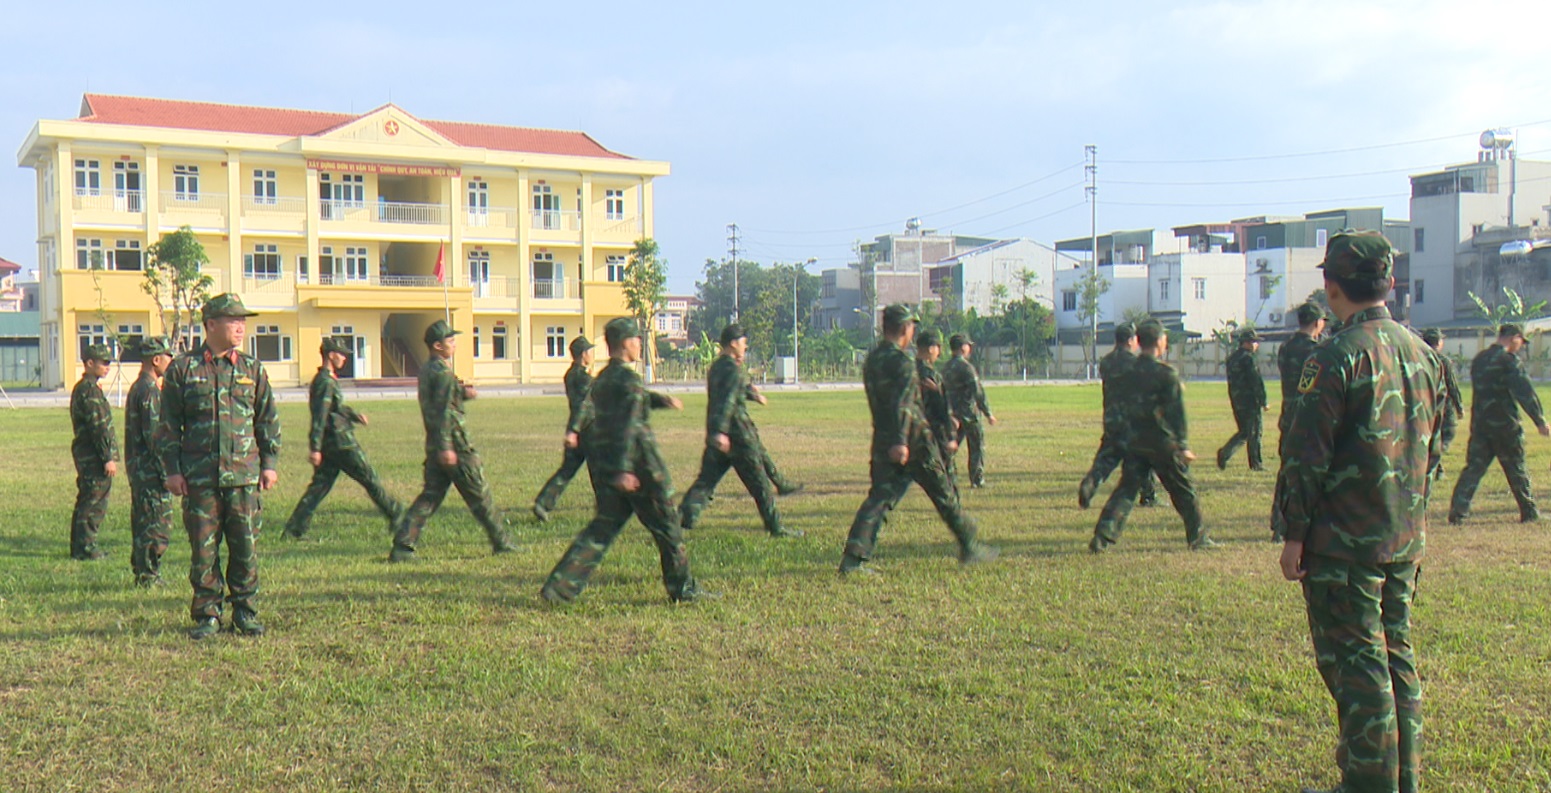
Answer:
[(1254, 203), (1371, 147), (1064, 209)]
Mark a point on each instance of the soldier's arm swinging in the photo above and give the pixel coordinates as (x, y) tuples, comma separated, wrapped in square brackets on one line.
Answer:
[(266, 430)]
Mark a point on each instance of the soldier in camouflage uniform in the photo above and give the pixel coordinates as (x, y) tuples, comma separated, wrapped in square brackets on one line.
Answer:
[(1454, 401), (150, 508), (1247, 393), (934, 400), (219, 440), (332, 447), (95, 450), (1499, 385), (967, 401), (903, 450), (578, 380), (731, 440), (1354, 459), (450, 459), (1289, 364), (1152, 404), (1112, 446), (629, 476)]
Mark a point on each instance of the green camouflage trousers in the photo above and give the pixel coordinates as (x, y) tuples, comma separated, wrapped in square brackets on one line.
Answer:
[(749, 463), (211, 515), (91, 507), (890, 482), (1109, 457), (150, 522), (1250, 422), (569, 464), (973, 436), (1508, 450), (1174, 476), (468, 476), (1360, 623), (352, 463), (654, 507), (782, 484)]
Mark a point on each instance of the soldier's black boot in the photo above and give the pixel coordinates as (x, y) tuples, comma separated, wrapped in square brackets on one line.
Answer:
[(247, 623), (540, 513), (977, 552), (851, 565), (205, 628)]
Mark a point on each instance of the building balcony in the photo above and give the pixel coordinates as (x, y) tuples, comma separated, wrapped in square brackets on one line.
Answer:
[(200, 210), (554, 289), (397, 212), (494, 218), (618, 227), (555, 220), (90, 200), (497, 287)]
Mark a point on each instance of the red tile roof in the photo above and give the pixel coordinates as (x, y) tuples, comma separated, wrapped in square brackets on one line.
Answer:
[(214, 117), (9, 266)]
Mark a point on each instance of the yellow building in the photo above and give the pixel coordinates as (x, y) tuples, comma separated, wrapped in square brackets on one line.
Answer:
[(333, 224)]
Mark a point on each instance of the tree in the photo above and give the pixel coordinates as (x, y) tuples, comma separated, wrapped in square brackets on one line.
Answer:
[(998, 298), (1090, 288), (1512, 309), (1268, 284), (646, 282), (173, 279)]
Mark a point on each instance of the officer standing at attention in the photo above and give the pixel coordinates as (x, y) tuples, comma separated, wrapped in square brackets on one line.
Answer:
[(1112, 445), (730, 439), (967, 400), (1355, 459), (1499, 385), (578, 381), (1454, 401), (220, 445), (934, 399), (450, 459), (1247, 393), (629, 476), (903, 449), (1289, 363), (95, 450), (332, 447), (150, 506)]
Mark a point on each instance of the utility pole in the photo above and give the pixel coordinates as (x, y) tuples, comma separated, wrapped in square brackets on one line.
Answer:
[(1091, 154), (732, 253)]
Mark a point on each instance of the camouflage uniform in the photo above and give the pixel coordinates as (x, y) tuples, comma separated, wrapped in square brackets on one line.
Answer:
[(727, 413), (578, 381), (333, 436), (1152, 403), (1112, 446), (619, 440), (1247, 393), (1353, 471), (151, 505), (894, 397), (93, 448), (219, 431), (934, 405), (967, 401), (1499, 386), (441, 410), (1289, 363)]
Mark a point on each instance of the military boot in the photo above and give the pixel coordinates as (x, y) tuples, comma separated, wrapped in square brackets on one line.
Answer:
[(247, 623), (205, 628)]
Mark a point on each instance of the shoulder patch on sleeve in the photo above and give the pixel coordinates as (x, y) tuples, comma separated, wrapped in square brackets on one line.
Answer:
[(1310, 375)]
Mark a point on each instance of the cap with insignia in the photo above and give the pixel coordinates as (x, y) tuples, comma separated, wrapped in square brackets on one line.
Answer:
[(958, 340), (928, 338), (334, 344), (1432, 336), (1358, 254), (1309, 313), (1247, 335), (579, 345), (225, 305), (619, 329), (732, 333), (98, 352), (898, 314), (439, 331), (153, 346)]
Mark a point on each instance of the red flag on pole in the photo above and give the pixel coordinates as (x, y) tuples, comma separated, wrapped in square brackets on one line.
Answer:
[(441, 264)]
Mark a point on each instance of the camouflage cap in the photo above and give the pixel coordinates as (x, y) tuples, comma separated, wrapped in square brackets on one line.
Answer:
[(898, 314), (1247, 335), (958, 340), (1309, 313), (1124, 332), (928, 338), (334, 344), (152, 346), (97, 352), (1510, 329), (579, 345), (1358, 254), (439, 331), (619, 329), (732, 333), (225, 305), (1432, 336)]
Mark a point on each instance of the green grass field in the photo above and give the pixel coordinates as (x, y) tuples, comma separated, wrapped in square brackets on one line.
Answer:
[(1146, 669)]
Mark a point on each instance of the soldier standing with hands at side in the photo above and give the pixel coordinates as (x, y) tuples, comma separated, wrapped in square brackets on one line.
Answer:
[(1454, 401), (1289, 364), (150, 509), (967, 400), (578, 381), (1247, 393), (95, 450)]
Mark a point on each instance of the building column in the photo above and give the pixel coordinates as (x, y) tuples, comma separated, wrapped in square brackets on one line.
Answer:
[(314, 212), (524, 278), (153, 195)]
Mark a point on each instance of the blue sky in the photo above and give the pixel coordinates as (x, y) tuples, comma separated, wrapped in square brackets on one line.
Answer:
[(815, 124)]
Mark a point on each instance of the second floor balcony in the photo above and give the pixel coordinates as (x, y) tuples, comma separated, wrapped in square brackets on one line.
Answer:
[(403, 212)]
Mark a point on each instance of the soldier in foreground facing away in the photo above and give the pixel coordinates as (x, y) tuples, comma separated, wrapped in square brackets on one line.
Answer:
[(934, 399), (967, 401), (450, 458), (1152, 403), (578, 381), (1499, 385), (1289, 364), (1453, 400), (150, 509), (1355, 458), (903, 450), (95, 450), (730, 439), (629, 476), (1112, 446), (220, 444), (1247, 393), (332, 447)]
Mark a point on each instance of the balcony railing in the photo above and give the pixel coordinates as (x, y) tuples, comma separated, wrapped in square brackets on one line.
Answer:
[(269, 205), (552, 289), (109, 200), (628, 224), (496, 287), (341, 279), (182, 201), (556, 220), (490, 217), (385, 212)]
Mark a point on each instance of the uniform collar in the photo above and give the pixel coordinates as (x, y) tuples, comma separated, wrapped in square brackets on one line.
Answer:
[(1368, 315), (231, 355)]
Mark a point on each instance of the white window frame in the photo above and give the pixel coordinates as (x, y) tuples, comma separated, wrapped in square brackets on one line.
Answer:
[(266, 186), (356, 264), (614, 204), (126, 343), (1068, 300), (284, 347), (88, 177), (500, 342), (1199, 285), (268, 254), (88, 334), (110, 259), (1163, 289), (84, 248), (479, 338), (554, 341), (479, 272), (1321, 237), (478, 194), (615, 265), (185, 182), (1418, 291)]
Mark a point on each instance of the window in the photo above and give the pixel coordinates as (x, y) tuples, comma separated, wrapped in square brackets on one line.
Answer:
[(302, 269), (1163, 290), (546, 207), (88, 177), (125, 255), (325, 264), (341, 192), (355, 264), (1267, 286), (262, 263), (1416, 244), (479, 336), (1418, 291), (1321, 237), (662, 323), (546, 276), (1199, 285), (1260, 243), (1476, 229), (129, 338), (498, 342), (479, 272), (616, 268), (88, 254), (614, 204), (265, 186), (185, 182), (554, 341), (126, 186), (87, 335), (1068, 300), (268, 344)]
